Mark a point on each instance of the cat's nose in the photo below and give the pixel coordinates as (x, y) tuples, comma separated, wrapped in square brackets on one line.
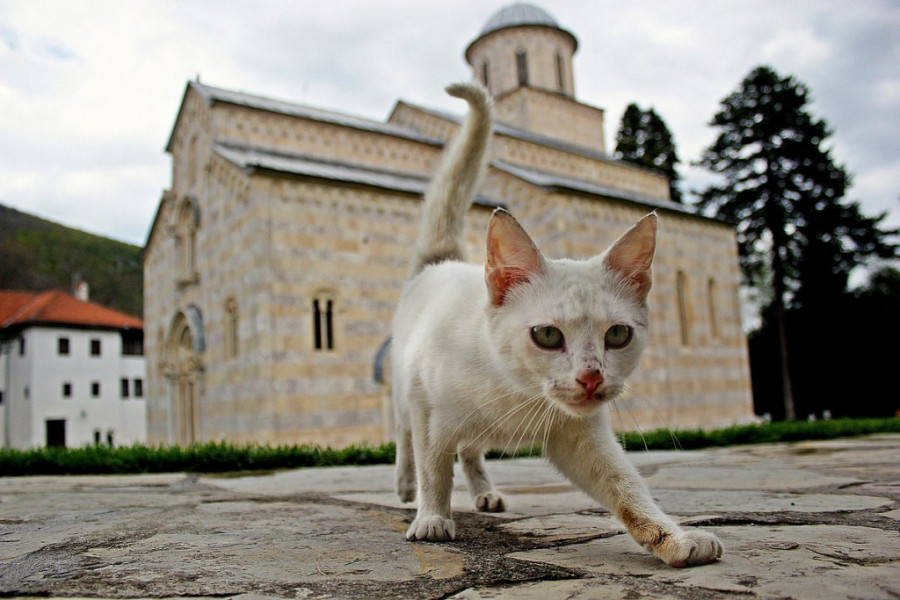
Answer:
[(590, 380)]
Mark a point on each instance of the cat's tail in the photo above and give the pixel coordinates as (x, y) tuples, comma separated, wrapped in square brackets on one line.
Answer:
[(453, 186)]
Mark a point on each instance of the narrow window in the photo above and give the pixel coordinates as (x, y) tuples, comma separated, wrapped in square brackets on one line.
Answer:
[(138, 388), (681, 285), (485, 79), (231, 328), (522, 67), (329, 330), (109, 438), (67, 389), (21, 346), (317, 325), (713, 316), (98, 436), (323, 323), (95, 347), (62, 346), (560, 78), (95, 389), (125, 387)]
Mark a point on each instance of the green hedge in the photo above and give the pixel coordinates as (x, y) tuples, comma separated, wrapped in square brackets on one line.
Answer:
[(225, 457)]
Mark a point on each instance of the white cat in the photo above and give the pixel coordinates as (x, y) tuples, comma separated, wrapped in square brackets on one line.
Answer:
[(525, 350)]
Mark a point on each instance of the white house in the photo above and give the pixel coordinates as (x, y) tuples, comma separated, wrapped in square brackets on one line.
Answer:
[(72, 373)]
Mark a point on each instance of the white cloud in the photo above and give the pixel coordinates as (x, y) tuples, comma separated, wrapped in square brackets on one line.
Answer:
[(89, 90)]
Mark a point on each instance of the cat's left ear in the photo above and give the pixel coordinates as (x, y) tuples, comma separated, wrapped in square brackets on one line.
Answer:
[(512, 257), (631, 255)]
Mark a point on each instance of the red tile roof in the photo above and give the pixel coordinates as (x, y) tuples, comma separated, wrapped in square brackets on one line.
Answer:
[(59, 308)]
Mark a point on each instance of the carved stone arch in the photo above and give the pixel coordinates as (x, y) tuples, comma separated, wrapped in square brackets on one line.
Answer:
[(184, 372)]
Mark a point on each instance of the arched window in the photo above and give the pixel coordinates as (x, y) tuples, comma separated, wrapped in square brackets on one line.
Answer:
[(713, 314), (560, 76), (683, 317), (231, 328), (522, 67), (186, 241), (323, 322)]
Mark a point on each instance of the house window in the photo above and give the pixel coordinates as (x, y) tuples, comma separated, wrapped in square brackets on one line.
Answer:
[(67, 389), (231, 328), (95, 389), (21, 346), (485, 79), (681, 290), (98, 436), (138, 388), (125, 386), (522, 67), (95, 347), (713, 316), (323, 323), (132, 342), (62, 346)]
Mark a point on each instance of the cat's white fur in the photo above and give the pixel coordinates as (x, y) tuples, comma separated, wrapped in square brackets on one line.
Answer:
[(468, 375)]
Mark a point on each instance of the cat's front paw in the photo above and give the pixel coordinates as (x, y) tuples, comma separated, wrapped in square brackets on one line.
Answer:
[(490, 502), (690, 547), (431, 528)]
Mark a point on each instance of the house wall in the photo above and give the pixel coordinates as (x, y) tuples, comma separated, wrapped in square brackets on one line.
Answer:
[(35, 389)]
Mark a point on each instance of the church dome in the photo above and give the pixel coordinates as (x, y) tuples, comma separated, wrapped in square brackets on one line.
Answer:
[(516, 15)]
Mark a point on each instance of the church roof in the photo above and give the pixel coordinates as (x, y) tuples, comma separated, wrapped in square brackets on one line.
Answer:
[(548, 180), (515, 15), (22, 309), (252, 159), (520, 14), (211, 95)]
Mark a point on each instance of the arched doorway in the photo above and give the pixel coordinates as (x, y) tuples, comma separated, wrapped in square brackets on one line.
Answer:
[(185, 377)]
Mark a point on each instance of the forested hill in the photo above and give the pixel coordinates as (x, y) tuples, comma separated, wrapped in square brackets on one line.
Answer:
[(38, 255)]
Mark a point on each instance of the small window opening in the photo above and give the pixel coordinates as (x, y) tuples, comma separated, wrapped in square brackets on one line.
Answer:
[(522, 67)]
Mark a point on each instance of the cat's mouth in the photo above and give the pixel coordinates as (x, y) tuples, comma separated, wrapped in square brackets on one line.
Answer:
[(582, 404)]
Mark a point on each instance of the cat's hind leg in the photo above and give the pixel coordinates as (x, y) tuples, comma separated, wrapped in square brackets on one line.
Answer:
[(405, 465), (483, 494)]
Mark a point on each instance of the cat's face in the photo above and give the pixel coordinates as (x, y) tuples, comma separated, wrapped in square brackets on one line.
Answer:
[(571, 331)]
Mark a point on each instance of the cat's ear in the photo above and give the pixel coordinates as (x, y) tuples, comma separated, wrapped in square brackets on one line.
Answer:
[(512, 258), (631, 255)]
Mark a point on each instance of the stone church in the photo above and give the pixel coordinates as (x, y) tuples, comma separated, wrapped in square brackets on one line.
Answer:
[(277, 255)]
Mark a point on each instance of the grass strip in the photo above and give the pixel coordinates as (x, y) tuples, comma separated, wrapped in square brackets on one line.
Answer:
[(219, 457)]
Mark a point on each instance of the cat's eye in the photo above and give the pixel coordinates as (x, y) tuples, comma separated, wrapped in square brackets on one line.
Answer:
[(548, 337), (617, 336)]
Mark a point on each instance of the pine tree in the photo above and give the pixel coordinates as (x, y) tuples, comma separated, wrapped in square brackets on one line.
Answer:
[(785, 195), (645, 140)]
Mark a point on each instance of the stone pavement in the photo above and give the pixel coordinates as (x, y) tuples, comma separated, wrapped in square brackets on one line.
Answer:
[(807, 520)]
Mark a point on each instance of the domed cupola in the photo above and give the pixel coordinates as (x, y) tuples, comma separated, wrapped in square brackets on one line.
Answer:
[(521, 45)]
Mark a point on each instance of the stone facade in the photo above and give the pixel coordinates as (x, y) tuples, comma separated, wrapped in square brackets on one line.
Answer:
[(277, 255)]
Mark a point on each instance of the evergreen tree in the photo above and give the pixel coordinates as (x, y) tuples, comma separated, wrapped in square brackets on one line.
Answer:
[(785, 195), (645, 140)]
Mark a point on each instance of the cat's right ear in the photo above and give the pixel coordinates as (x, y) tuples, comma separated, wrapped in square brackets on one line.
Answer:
[(512, 257)]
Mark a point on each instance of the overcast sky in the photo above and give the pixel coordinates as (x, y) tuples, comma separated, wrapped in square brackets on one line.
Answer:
[(89, 89)]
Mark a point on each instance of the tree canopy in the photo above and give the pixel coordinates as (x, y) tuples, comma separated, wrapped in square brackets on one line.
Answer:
[(785, 194), (645, 140)]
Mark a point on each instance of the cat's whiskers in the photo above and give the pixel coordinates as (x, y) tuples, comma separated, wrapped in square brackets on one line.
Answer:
[(540, 408), (495, 424), (480, 408), (659, 414)]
